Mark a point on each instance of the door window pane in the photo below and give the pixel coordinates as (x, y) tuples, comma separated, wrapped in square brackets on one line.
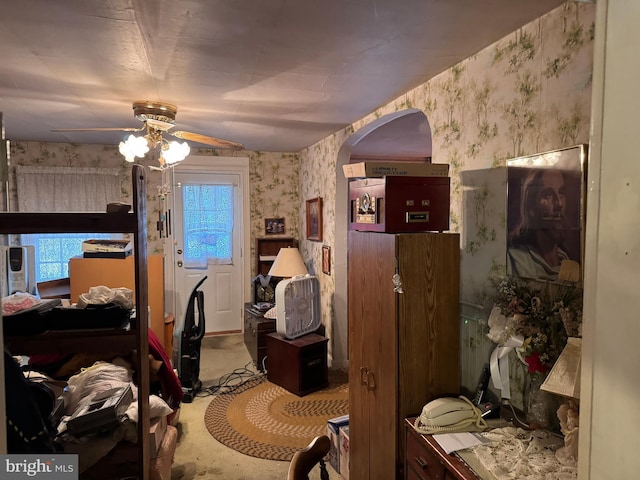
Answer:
[(208, 224)]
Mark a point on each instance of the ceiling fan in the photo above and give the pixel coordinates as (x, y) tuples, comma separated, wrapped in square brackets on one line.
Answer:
[(158, 118)]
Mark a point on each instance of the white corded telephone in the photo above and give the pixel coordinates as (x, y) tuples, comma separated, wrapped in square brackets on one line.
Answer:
[(447, 415)]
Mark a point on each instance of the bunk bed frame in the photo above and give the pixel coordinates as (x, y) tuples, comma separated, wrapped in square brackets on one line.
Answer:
[(93, 341)]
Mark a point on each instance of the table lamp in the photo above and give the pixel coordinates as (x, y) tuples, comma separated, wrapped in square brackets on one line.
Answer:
[(288, 263), (564, 380)]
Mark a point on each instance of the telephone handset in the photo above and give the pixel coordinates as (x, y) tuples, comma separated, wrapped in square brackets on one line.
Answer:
[(447, 415), (483, 384)]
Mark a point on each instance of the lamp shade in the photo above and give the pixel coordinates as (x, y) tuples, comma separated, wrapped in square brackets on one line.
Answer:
[(564, 377), (288, 263)]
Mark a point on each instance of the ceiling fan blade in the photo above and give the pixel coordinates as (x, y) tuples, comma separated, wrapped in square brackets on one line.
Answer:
[(99, 129), (212, 141)]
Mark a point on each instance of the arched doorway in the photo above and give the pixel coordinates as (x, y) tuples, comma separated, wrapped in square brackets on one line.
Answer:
[(399, 135)]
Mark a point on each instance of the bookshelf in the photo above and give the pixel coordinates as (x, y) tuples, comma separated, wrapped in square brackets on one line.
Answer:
[(267, 249)]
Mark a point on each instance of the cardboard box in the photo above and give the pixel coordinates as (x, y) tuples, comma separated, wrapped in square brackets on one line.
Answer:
[(157, 430), (344, 452), (403, 169), (58, 288), (333, 432), (160, 467)]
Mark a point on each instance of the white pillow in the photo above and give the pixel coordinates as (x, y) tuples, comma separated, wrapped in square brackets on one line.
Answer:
[(157, 408)]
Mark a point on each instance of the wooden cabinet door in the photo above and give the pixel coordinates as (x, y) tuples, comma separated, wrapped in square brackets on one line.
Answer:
[(359, 314), (382, 360), (428, 322), (373, 355), (429, 333)]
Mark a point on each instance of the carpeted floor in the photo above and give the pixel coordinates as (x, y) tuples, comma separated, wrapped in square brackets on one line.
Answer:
[(263, 420), (199, 455)]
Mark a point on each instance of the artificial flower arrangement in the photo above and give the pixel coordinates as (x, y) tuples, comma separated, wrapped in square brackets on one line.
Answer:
[(540, 314)]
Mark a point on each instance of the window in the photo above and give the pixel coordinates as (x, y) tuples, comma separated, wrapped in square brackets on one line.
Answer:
[(53, 251), (43, 189), (208, 223)]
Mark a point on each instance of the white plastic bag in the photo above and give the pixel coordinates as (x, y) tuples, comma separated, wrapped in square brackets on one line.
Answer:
[(101, 295)]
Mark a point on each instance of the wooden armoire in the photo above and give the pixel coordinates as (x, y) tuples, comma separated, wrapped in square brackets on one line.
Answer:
[(403, 345)]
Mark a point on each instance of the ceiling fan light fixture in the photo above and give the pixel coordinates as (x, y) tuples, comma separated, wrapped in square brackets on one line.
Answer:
[(174, 152), (133, 147), (158, 120)]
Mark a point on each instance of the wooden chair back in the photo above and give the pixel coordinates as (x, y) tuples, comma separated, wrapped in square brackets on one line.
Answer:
[(303, 461)]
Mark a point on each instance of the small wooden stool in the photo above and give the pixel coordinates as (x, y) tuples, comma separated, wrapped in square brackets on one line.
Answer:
[(298, 365)]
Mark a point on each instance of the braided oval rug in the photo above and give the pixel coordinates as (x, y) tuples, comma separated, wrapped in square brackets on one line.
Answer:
[(264, 420)]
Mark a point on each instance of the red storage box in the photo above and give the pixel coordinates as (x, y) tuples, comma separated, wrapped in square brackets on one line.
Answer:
[(397, 204)]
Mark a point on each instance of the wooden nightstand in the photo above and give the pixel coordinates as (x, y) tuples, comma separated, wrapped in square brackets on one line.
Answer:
[(256, 329), (298, 365)]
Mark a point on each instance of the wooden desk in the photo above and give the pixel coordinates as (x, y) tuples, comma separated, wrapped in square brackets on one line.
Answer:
[(426, 460)]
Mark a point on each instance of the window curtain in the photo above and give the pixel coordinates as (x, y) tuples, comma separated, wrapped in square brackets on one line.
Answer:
[(62, 189)]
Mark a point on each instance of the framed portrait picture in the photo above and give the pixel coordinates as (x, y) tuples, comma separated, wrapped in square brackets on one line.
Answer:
[(273, 226), (326, 259), (314, 219), (545, 215)]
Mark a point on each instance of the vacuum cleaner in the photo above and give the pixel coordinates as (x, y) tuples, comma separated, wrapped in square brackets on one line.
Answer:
[(189, 340)]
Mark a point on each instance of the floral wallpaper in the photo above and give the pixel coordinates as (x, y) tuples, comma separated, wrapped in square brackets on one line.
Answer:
[(529, 92), (274, 194)]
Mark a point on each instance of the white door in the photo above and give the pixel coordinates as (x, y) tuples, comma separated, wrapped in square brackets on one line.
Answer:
[(207, 242)]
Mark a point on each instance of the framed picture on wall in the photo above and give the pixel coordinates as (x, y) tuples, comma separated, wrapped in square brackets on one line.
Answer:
[(326, 259), (273, 226), (545, 214), (314, 219)]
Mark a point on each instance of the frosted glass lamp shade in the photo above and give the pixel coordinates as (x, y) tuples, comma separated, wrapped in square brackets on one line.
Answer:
[(564, 377), (288, 263)]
